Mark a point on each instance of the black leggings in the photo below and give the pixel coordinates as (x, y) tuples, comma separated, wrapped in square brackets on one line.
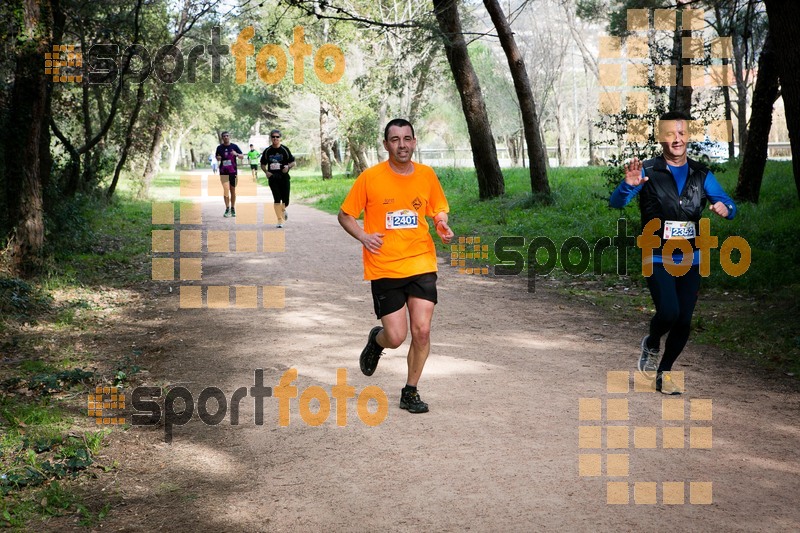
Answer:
[(675, 298), (280, 189)]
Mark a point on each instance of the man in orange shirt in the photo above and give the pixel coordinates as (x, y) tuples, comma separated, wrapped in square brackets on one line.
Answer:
[(399, 255)]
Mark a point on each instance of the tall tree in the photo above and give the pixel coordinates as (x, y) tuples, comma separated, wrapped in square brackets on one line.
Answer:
[(537, 153), (784, 26), (29, 117), (484, 151), (755, 154)]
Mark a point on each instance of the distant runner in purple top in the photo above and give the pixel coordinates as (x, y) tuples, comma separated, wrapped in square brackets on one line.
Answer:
[(227, 152)]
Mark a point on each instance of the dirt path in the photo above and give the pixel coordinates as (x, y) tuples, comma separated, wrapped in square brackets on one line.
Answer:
[(498, 451)]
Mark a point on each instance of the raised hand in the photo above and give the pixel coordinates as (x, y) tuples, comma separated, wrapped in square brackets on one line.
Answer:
[(633, 173)]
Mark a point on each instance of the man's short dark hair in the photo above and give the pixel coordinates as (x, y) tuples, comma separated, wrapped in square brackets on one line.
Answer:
[(400, 123), (224, 133), (675, 115)]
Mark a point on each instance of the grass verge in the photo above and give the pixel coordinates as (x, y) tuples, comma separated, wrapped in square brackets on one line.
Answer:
[(53, 354)]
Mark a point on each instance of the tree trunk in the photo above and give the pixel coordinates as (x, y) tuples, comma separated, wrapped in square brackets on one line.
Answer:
[(522, 86), (513, 153), (419, 90), (123, 157), (726, 95), (359, 158), (560, 148), (324, 141), (741, 98), (680, 96), (484, 151), (336, 149), (754, 158), (379, 151), (28, 115), (154, 159), (784, 26)]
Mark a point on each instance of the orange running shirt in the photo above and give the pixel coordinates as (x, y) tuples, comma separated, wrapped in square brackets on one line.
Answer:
[(393, 204)]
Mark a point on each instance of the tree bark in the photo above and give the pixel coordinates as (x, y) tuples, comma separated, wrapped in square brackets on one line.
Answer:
[(154, 159), (741, 95), (419, 88), (484, 151), (680, 95), (324, 141), (28, 114), (522, 86), (754, 157), (358, 156), (123, 157), (784, 26), (379, 151)]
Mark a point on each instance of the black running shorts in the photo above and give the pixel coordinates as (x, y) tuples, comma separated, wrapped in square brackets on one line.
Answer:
[(391, 294), (230, 178)]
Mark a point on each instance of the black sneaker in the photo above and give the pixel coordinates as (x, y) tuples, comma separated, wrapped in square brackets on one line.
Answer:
[(371, 352), (410, 401), (233, 212), (227, 212)]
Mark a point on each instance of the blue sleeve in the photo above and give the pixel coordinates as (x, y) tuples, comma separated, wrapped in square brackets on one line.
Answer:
[(716, 193), (624, 193)]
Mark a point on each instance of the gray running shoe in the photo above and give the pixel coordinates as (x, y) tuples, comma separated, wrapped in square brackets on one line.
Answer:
[(648, 361)]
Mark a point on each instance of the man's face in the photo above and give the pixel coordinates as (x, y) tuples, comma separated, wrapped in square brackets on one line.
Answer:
[(400, 144), (672, 137), (226, 139), (276, 139)]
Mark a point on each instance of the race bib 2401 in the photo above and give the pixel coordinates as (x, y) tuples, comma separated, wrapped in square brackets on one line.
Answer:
[(403, 219), (674, 229)]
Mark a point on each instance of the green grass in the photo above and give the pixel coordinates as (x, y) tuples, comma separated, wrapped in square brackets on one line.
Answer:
[(93, 248), (754, 314), (110, 250)]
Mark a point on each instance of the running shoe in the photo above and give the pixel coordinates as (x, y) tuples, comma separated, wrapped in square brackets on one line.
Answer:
[(227, 212), (648, 361), (410, 401), (665, 385), (280, 225), (371, 353), (233, 212)]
